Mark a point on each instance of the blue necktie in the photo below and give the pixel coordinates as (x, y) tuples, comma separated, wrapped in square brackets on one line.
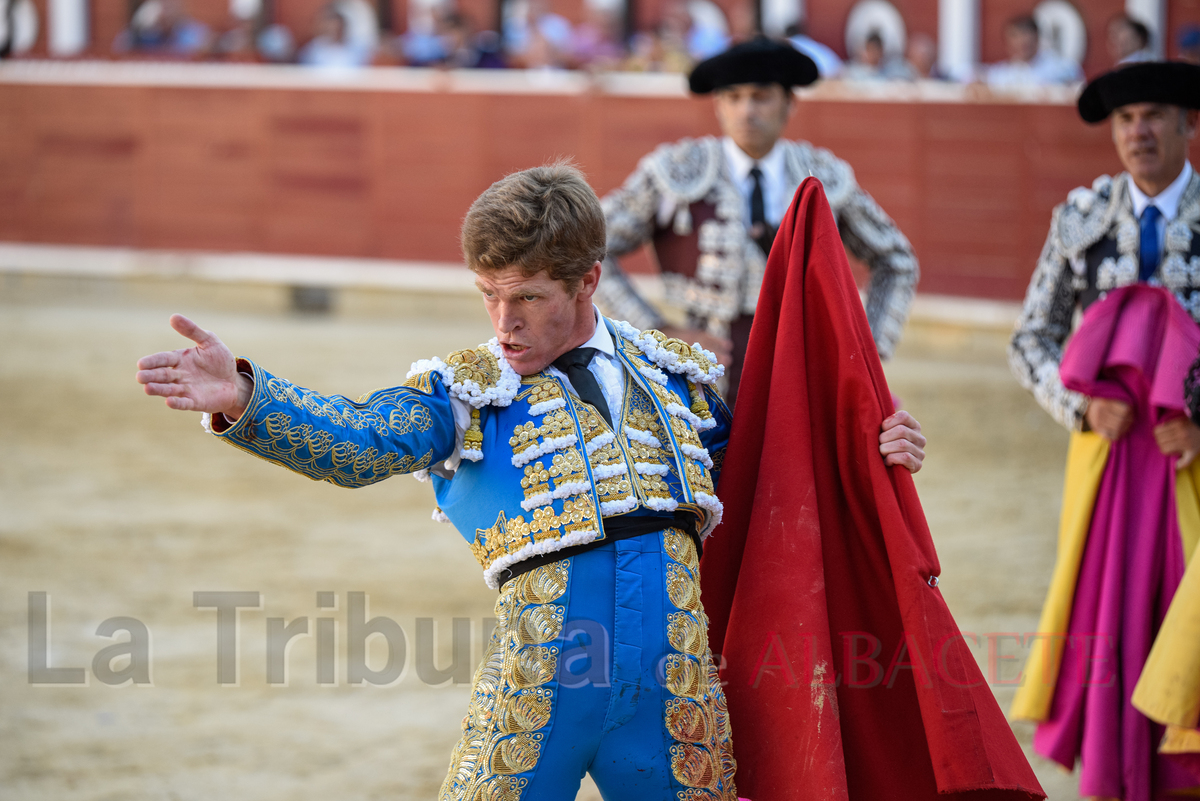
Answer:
[(1149, 242)]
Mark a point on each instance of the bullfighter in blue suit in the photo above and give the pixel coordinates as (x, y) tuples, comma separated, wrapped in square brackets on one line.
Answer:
[(578, 456)]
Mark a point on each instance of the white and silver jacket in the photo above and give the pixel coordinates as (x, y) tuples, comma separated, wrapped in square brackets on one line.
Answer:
[(724, 284), (1092, 248)]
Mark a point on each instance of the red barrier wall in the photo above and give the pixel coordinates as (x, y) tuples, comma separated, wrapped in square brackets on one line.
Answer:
[(389, 174)]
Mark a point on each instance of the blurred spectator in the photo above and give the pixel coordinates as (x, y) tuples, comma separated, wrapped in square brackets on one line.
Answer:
[(868, 63), (539, 38), (701, 36), (675, 36), (331, 47), (490, 49), (1029, 64), (1189, 44), (458, 42), (827, 61), (162, 27), (276, 43), (422, 43), (1128, 40), (249, 39), (920, 60), (445, 39), (596, 41), (651, 52)]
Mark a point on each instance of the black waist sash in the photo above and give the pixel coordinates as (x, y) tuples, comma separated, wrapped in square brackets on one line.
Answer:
[(615, 528)]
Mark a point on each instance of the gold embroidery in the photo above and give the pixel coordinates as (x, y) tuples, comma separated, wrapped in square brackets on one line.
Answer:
[(728, 764), (524, 436), (687, 721), (616, 488), (507, 536), (680, 547), (543, 392), (422, 382), (404, 419), (686, 352), (698, 476), (536, 480), (684, 432), (700, 406), (568, 467), (642, 417), (534, 665), (590, 421), (693, 765), (682, 588), (299, 448), (697, 794), (342, 412), (540, 624), (503, 732), (473, 437), (526, 710), (684, 677), (543, 585), (665, 395), (686, 634), (477, 365), (516, 754), (697, 717), (501, 788), (556, 424)]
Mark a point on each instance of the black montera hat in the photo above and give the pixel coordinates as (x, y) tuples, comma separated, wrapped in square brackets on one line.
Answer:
[(1172, 82), (760, 60)]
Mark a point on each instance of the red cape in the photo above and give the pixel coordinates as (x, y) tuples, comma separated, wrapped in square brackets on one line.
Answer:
[(824, 565)]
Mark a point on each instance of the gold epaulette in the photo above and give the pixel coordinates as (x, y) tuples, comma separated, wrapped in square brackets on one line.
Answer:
[(476, 365)]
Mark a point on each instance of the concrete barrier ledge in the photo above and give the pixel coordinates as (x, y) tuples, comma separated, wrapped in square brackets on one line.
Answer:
[(440, 278)]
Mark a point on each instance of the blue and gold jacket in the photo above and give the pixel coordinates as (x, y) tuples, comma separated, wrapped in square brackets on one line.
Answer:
[(539, 469)]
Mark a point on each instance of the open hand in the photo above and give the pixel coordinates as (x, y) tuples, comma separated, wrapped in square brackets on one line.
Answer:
[(902, 442), (203, 378), (1179, 436)]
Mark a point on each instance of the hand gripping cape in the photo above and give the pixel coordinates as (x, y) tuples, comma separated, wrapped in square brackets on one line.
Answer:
[(847, 676)]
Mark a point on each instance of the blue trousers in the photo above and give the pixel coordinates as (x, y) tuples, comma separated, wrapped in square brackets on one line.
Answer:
[(599, 664)]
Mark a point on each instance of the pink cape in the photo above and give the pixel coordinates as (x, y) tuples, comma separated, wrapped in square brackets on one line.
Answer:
[(1136, 346)]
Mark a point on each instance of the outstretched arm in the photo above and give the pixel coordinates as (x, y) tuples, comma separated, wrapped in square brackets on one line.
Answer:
[(325, 437), (203, 378)]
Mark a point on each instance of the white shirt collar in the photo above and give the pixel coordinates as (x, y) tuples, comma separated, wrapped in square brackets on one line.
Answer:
[(1166, 200), (740, 164), (601, 340)]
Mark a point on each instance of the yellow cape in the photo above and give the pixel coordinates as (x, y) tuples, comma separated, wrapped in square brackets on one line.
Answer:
[(1170, 683)]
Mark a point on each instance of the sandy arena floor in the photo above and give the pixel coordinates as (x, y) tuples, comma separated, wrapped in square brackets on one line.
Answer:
[(115, 506)]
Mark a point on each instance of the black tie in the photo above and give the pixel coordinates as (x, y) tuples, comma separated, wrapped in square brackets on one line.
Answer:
[(575, 364), (758, 214), (760, 231)]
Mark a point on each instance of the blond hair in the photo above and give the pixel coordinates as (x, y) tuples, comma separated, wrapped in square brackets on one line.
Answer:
[(541, 219)]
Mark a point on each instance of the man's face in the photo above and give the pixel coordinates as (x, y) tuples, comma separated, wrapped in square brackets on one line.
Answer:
[(1021, 42), (1152, 142), (535, 319), (753, 115), (872, 53), (1122, 40)]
